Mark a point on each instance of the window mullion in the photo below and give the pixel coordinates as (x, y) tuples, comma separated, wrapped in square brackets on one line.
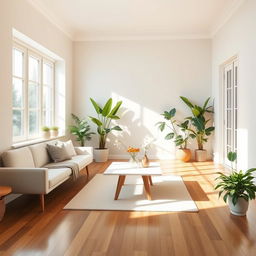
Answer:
[(26, 111)]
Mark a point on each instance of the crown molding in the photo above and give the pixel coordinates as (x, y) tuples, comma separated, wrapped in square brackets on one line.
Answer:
[(143, 37), (91, 38), (56, 22), (226, 17)]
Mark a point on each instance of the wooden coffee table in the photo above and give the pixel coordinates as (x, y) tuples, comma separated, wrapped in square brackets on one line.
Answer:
[(125, 168)]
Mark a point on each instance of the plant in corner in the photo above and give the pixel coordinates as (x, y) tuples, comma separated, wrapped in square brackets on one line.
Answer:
[(201, 130), (238, 188), (81, 130), (180, 140), (103, 121)]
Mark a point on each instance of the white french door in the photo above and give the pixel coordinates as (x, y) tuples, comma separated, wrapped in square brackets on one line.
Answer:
[(230, 108)]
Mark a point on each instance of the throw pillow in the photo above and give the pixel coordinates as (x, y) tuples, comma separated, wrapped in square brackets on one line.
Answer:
[(58, 152), (70, 148)]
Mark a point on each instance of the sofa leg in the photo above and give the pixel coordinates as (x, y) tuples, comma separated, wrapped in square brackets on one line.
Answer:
[(42, 201), (87, 171)]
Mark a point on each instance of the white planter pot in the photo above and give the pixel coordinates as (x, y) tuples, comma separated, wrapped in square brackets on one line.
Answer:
[(54, 133), (201, 155), (46, 135), (240, 208), (101, 155)]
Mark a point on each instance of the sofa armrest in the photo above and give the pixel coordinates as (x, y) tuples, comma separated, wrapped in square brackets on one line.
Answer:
[(25, 180), (84, 150)]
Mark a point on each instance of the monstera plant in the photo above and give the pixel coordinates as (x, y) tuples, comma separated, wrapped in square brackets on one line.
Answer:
[(201, 130), (103, 121)]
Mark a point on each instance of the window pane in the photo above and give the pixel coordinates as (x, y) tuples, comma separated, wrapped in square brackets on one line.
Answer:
[(33, 69), (47, 97), (17, 63), (17, 120), (33, 122), (33, 96), (17, 93), (47, 117), (47, 74)]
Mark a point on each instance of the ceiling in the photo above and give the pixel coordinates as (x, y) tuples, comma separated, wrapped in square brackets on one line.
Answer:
[(137, 19)]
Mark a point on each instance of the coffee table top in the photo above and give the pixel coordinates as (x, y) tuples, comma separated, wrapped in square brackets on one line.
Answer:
[(126, 168)]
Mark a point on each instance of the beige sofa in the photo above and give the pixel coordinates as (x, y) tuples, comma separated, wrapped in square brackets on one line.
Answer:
[(28, 170)]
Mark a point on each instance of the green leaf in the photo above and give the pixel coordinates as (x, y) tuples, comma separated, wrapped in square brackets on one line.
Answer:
[(107, 108), (232, 156), (96, 106), (187, 102), (206, 103), (172, 112), (113, 117), (195, 112), (116, 108), (161, 125), (116, 128), (169, 136), (96, 121)]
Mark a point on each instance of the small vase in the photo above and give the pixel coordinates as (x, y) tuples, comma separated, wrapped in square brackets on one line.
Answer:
[(145, 161), (134, 162)]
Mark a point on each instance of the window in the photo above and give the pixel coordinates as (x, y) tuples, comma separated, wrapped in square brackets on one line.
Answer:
[(33, 92)]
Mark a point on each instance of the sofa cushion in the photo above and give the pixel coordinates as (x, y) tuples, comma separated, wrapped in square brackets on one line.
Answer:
[(58, 152), (40, 154), (82, 160), (56, 176), (70, 148), (21, 158)]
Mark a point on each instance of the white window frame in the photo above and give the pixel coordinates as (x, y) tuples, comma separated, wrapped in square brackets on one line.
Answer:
[(43, 59)]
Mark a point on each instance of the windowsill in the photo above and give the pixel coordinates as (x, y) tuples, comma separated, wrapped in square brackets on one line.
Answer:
[(36, 141)]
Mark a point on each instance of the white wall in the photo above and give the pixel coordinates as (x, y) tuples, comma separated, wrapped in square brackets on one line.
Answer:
[(21, 16), (238, 37), (149, 76)]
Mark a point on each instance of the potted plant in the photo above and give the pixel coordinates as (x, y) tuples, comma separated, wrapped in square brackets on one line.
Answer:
[(103, 121), (201, 130), (238, 188), (81, 130), (54, 131), (180, 140), (46, 132)]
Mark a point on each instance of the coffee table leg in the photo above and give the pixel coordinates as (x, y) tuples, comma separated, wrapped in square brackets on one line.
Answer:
[(120, 183), (147, 187), (150, 180)]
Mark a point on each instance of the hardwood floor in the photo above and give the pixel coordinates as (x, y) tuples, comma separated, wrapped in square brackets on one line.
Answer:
[(212, 231)]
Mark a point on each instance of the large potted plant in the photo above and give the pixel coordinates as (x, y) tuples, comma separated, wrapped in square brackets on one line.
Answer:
[(201, 130), (238, 188), (81, 130), (103, 121), (180, 140)]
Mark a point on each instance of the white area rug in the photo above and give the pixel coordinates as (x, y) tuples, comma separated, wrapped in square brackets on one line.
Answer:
[(169, 194)]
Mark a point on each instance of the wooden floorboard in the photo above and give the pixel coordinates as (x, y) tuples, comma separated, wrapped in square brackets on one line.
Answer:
[(25, 230)]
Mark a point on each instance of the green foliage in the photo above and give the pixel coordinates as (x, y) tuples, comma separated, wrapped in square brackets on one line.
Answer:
[(236, 185), (45, 129), (54, 128), (104, 118), (81, 130), (200, 132), (232, 156), (179, 140)]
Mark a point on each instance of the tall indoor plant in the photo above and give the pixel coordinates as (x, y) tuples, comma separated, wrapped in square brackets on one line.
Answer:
[(81, 130), (201, 130), (103, 121), (238, 188), (179, 133)]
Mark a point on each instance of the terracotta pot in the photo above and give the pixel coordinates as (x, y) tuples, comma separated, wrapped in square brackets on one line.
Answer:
[(46, 135), (201, 155), (2, 208), (145, 161), (101, 155), (183, 154), (54, 133)]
